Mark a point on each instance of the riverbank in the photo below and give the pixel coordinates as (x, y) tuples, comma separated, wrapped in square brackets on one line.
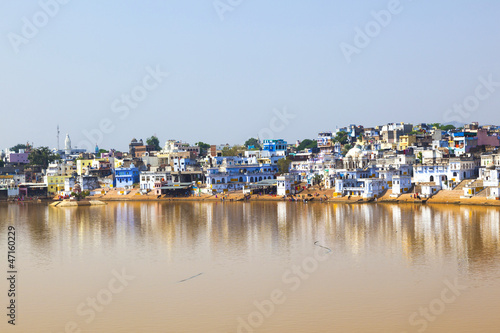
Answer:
[(80, 203), (313, 194)]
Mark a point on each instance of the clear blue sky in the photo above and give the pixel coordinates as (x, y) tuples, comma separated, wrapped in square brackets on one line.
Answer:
[(227, 76)]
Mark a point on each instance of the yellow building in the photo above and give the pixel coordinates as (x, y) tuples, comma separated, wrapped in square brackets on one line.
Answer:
[(55, 184), (406, 141), (83, 165)]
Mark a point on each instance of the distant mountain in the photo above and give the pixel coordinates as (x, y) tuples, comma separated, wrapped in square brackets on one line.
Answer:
[(455, 123)]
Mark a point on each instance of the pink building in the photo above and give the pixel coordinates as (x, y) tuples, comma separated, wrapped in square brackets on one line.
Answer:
[(484, 140), (21, 158)]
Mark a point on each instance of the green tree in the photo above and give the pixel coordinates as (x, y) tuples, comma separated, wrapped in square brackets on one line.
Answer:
[(204, 147), (253, 142), (284, 165), (447, 127), (420, 157), (232, 151), (346, 148), (42, 156), (307, 144), (18, 146), (2, 164), (317, 179), (153, 141), (341, 137)]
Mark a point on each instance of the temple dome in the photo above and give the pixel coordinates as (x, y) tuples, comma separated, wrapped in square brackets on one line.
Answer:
[(355, 152)]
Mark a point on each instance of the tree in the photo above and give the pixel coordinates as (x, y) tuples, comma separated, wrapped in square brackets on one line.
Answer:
[(341, 137), (252, 142), (346, 148), (284, 165), (307, 144), (42, 156), (19, 146), (204, 147), (420, 157), (153, 141), (2, 164), (317, 179), (442, 127), (232, 151), (447, 127)]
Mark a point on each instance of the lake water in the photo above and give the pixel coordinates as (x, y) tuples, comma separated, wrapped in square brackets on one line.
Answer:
[(253, 267)]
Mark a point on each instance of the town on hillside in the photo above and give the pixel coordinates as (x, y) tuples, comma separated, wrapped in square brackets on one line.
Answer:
[(396, 160)]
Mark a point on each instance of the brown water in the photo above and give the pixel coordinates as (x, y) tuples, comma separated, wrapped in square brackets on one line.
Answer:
[(254, 267)]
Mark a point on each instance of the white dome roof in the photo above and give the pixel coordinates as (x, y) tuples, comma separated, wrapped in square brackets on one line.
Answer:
[(354, 152)]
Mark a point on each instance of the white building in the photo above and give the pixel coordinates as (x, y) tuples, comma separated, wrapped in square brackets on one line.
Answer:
[(447, 173), (401, 184), (367, 188), (149, 178), (287, 184), (67, 145)]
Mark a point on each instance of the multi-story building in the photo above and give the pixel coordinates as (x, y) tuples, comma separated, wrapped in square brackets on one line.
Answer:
[(149, 178), (55, 183), (325, 142), (231, 176), (446, 173), (126, 176), (18, 158)]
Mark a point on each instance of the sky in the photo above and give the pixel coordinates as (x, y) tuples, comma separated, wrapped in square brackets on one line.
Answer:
[(226, 70)]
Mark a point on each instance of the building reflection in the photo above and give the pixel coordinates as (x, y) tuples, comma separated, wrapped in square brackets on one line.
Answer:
[(469, 237)]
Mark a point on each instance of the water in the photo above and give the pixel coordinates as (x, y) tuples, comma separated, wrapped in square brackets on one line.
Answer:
[(254, 267)]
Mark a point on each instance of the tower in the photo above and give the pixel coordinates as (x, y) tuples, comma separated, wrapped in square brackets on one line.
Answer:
[(67, 145), (58, 137)]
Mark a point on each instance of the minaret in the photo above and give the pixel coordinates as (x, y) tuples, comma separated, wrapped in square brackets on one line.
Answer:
[(67, 145), (57, 138)]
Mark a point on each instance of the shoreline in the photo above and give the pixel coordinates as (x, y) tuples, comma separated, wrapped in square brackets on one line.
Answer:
[(443, 197)]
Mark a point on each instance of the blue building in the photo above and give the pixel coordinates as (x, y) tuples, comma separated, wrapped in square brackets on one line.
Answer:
[(236, 176), (273, 146), (126, 176)]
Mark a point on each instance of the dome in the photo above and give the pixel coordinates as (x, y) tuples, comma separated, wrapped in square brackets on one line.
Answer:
[(134, 140), (355, 152)]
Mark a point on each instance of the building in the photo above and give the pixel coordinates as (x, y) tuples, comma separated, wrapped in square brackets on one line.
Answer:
[(12, 180), (126, 176), (463, 142), (401, 184), (287, 185), (133, 145), (405, 141), (148, 179), (67, 144), (445, 173), (325, 142), (233, 174), (31, 190), (80, 183), (61, 169), (55, 183), (19, 158), (368, 188)]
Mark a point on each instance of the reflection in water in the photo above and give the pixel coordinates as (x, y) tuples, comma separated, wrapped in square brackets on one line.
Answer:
[(471, 235), (250, 245)]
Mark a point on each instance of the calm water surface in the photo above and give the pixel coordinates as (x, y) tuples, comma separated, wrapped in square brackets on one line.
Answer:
[(254, 267)]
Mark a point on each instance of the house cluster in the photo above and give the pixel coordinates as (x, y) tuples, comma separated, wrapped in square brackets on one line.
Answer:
[(423, 159), (351, 161)]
